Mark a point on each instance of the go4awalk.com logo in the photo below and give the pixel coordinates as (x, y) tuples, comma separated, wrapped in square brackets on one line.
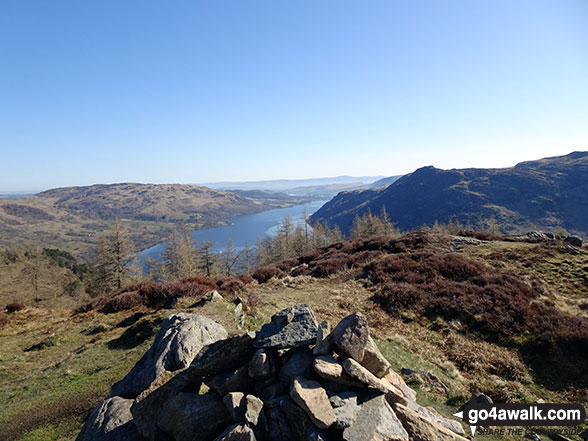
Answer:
[(490, 415)]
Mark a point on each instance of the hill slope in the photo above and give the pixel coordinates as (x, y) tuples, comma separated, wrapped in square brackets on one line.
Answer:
[(549, 193), (70, 218)]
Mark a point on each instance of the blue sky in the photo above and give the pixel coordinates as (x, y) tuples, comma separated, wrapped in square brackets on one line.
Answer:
[(189, 91)]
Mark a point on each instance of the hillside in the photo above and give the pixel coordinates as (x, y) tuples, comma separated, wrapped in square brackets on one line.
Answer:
[(550, 193), (70, 218), (449, 313)]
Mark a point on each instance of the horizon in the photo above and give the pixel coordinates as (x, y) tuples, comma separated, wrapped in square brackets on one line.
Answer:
[(232, 92)]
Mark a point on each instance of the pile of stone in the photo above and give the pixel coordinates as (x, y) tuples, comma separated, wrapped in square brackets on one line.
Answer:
[(295, 379)]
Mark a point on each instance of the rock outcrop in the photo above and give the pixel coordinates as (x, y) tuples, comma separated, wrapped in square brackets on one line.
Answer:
[(273, 386)]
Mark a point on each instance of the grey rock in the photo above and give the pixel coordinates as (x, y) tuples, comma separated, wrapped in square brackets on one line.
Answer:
[(292, 327), (574, 241), (330, 369), (345, 415), (190, 416), (301, 425), (299, 364), (373, 360), (532, 436), (357, 371), (260, 367), (238, 432), (342, 399), (477, 398), (243, 408), (179, 339), (216, 297), (351, 335), (148, 406), (323, 342), (239, 309), (237, 380), (431, 415), (222, 356), (376, 421), (272, 388), (420, 429), (111, 420), (313, 399), (278, 427)]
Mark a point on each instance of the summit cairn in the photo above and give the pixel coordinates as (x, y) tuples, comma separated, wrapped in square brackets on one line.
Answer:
[(293, 380)]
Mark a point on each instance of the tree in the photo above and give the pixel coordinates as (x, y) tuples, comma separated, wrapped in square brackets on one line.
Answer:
[(180, 259), (113, 256), (207, 258)]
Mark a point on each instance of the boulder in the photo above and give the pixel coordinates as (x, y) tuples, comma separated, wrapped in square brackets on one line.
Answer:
[(216, 297), (301, 425), (330, 369), (179, 339), (260, 367), (342, 399), (299, 364), (373, 360), (575, 241), (243, 408), (278, 427), (376, 421), (345, 415), (431, 415), (322, 345), (313, 399), (111, 420), (292, 327), (238, 432), (237, 380), (420, 429), (358, 372), (396, 380), (351, 335), (189, 416), (222, 356)]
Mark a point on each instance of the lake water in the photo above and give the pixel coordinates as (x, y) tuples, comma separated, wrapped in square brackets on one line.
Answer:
[(244, 229)]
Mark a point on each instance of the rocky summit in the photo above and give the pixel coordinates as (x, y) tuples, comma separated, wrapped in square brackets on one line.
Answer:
[(293, 380)]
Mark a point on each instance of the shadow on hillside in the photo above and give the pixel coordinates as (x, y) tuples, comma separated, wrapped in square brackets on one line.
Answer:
[(135, 335)]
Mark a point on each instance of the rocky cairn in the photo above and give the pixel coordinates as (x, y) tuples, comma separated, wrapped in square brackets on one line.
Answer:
[(295, 379)]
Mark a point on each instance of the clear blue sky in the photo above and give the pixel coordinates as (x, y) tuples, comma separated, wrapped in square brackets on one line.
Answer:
[(199, 91)]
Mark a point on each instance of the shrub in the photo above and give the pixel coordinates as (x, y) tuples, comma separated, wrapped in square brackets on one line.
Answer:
[(265, 273), (234, 284), (14, 307), (97, 303), (124, 301)]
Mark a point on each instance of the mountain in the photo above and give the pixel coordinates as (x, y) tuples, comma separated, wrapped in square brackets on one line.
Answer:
[(284, 185), (70, 218), (550, 193), (384, 182)]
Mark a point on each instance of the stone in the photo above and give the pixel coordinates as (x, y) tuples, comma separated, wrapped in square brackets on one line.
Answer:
[(260, 367), (357, 371), (574, 241), (298, 364), (111, 420), (237, 380), (278, 427), (243, 408), (330, 369), (301, 425), (431, 415), (396, 380), (239, 309), (420, 429), (373, 360), (179, 339), (477, 398), (292, 327), (149, 404), (222, 356), (342, 399), (323, 342), (376, 421), (238, 432), (190, 416), (313, 399), (345, 415), (351, 335), (271, 388), (216, 297)]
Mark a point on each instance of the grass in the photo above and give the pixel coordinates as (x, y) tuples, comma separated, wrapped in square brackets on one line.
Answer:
[(46, 394)]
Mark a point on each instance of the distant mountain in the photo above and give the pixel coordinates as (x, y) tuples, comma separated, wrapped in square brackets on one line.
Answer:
[(550, 193), (384, 182), (71, 217), (284, 185)]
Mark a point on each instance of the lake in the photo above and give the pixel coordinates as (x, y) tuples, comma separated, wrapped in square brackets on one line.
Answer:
[(244, 229)]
